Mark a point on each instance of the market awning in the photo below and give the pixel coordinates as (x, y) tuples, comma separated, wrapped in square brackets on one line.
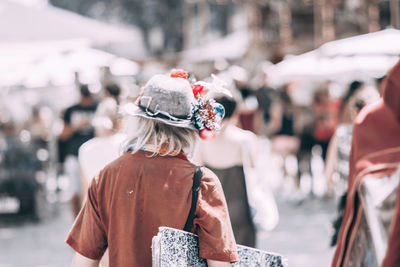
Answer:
[(358, 57), (21, 24), (232, 46)]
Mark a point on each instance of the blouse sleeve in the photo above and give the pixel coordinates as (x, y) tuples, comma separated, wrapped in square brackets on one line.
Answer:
[(212, 223), (87, 236)]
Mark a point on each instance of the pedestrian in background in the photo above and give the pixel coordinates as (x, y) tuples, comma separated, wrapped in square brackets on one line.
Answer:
[(337, 161), (326, 117), (99, 151), (345, 115), (284, 121), (96, 153), (223, 155), (375, 150), (77, 130), (267, 98)]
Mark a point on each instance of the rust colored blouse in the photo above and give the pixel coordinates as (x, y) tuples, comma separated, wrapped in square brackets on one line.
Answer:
[(134, 195)]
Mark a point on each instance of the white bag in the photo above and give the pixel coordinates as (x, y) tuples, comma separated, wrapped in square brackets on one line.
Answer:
[(263, 208), (378, 197), (175, 248)]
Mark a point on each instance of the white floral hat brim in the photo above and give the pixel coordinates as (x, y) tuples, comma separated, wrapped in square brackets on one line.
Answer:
[(134, 110)]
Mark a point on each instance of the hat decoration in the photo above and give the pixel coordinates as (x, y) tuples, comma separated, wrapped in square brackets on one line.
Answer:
[(207, 113), (178, 73)]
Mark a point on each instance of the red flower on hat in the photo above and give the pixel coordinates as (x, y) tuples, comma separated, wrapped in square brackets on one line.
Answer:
[(178, 73), (199, 90)]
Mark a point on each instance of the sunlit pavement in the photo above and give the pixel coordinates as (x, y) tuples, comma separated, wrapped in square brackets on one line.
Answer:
[(302, 234), (37, 244)]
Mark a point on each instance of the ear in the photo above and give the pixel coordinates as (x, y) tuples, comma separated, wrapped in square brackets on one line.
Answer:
[(139, 96)]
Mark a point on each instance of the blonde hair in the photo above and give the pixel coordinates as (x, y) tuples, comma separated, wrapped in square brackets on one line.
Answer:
[(164, 139)]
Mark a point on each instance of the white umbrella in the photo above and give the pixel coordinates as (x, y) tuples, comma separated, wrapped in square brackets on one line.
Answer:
[(58, 69), (310, 67), (40, 64), (18, 59), (356, 67), (232, 46), (304, 66), (385, 42), (359, 57), (21, 24)]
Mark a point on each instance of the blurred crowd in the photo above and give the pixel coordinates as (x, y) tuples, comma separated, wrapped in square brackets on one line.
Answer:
[(50, 137), (55, 152)]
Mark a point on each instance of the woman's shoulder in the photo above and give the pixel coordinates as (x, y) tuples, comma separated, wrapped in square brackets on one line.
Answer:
[(209, 179), (112, 167), (208, 174)]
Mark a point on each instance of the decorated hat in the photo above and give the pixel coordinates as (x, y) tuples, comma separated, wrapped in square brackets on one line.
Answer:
[(180, 101)]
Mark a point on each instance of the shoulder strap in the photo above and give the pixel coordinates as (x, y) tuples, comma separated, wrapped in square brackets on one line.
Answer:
[(195, 193)]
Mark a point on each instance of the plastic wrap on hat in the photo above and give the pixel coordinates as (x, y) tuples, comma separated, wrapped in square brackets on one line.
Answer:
[(172, 96)]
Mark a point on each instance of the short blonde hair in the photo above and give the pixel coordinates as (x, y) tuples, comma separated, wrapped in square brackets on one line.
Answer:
[(164, 139)]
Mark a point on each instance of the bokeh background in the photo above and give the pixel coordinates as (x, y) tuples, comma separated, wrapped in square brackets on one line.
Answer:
[(275, 53)]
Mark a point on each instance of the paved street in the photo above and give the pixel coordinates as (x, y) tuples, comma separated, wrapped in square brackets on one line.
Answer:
[(37, 244), (302, 236)]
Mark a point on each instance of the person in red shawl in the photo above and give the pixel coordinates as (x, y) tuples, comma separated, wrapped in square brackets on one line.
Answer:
[(376, 142)]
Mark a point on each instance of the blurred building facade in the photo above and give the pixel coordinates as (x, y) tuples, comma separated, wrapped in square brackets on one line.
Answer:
[(298, 26), (284, 26)]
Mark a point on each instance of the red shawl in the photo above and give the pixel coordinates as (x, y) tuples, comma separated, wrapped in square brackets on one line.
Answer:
[(376, 139)]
